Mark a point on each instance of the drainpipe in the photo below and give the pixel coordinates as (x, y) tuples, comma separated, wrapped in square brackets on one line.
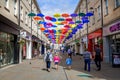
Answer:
[(20, 48)]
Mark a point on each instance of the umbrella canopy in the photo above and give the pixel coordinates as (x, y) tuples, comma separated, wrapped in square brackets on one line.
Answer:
[(74, 15), (31, 14), (57, 15), (48, 18), (89, 14), (65, 15), (37, 18), (61, 19), (81, 14), (40, 15)]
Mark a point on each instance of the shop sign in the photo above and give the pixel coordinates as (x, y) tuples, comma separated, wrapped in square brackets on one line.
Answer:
[(115, 27), (116, 60)]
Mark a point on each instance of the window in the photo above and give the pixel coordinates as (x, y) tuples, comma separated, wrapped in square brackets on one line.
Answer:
[(106, 7), (7, 4), (15, 7), (21, 13), (117, 3), (26, 18), (99, 12)]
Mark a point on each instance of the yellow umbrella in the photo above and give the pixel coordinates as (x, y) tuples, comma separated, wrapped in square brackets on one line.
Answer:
[(57, 15)]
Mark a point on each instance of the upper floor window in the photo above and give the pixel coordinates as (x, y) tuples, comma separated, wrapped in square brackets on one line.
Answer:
[(21, 13), (106, 7), (99, 12), (26, 17), (117, 3), (15, 7), (7, 4)]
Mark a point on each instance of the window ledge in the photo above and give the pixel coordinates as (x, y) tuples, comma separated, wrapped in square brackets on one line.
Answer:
[(7, 9), (106, 15), (116, 7), (15, 15), (98, 19), (21, 21)]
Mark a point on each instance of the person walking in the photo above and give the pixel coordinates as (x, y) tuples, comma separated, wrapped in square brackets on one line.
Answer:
[(48, 59), (87, 59), (56, 60), (69, 62), (98, 57), (69, 53)]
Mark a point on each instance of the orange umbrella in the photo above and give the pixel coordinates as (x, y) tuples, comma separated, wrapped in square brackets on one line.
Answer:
[(65, 15), (42, 28), (64, 22), (37, 18)]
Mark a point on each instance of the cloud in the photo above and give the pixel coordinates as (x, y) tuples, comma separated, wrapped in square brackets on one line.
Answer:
[(50, 7)]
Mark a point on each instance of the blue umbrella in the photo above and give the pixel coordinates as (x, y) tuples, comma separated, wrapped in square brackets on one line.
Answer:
[(40, 14), (89, 14)]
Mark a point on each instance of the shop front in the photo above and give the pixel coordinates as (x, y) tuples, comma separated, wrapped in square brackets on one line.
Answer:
[(9, 50), (95, 39), (111, 35)]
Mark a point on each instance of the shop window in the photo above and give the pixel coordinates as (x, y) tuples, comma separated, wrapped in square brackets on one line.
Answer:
[(7, 48), (99, 12)]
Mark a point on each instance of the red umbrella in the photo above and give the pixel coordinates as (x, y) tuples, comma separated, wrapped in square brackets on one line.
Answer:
[(68, 19), (48, 18)]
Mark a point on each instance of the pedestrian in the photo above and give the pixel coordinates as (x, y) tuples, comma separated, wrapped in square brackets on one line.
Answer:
[(48, 59), (87, 59), (69, 62), (69, 53), (98, 57), (56, 60)]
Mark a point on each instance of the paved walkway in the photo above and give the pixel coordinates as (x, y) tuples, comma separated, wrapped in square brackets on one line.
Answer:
[(36, 71)]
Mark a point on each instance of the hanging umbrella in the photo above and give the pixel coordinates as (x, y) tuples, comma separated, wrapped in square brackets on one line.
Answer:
[(65, 15), (74, 15), (64, 22), (56, 15), (89, 14), (71, 22), (67, 26), (53, 20), (37, 18), (68, 19), (42, 28), (48, 18), (61, 19), (81, 14), (40, 14), (78, 21), (31, 14)]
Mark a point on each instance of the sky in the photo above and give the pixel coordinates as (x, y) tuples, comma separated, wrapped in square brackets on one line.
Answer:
[(51, 7)]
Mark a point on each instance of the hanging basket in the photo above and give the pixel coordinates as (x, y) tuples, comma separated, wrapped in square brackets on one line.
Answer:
[(21, 42)]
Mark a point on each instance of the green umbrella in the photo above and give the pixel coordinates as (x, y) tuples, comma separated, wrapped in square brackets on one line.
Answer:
[(81, 14), (31, 14), (78, 21), (61, 19)]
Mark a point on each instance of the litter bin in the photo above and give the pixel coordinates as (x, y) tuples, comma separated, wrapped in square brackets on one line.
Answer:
[(116, 60)]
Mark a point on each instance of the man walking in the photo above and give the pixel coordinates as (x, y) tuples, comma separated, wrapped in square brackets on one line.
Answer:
[(98, 57)]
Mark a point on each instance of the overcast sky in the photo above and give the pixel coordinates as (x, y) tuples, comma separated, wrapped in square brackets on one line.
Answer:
[(50, 7)]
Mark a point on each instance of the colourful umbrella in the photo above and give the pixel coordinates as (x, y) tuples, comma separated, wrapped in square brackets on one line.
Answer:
[(48, 18), (78, 21), (31, 14), (61, 19), (42, 28), (53, 20), (65, 15), (68, 19), (71, 22), (40, 14), (57, 15), (81, 14), (74, 15), (64, 22), (37, 18), (89, 14)]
